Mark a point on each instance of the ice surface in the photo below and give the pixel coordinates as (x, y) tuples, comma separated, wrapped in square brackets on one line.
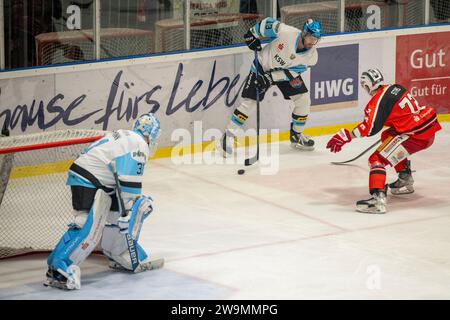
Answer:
[(293, 235)]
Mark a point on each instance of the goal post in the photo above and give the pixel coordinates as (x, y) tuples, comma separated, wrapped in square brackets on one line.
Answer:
[(35, 202)]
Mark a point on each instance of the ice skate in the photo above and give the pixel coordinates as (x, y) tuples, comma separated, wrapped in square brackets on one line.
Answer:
[(70, 281), (300, 141), (376, 204), (404, 183)]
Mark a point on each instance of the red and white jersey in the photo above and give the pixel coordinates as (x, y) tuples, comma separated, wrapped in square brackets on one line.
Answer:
[(393, 106)]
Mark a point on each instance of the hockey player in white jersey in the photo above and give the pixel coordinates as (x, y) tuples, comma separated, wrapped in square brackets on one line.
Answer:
[(290, 52), (97, 212)]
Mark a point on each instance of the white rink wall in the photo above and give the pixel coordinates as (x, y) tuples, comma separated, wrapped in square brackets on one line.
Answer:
[(205, 85)]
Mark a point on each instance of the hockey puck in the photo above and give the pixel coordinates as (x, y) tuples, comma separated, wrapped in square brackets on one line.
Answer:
[(241, 171)]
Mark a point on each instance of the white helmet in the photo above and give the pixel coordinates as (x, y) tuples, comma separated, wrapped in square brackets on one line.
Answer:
[(371, 80)]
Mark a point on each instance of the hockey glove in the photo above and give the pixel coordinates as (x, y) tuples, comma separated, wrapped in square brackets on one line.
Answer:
[(252, 42), (146, 206), (142, 207), (338, 140), (296, 83), (264, 81)]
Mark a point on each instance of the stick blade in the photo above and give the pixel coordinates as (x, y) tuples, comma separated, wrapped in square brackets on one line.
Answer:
[(157, 264), (250, 161), (340, 163)]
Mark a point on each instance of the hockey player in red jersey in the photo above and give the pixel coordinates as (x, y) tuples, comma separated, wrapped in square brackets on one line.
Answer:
[(411, 128)]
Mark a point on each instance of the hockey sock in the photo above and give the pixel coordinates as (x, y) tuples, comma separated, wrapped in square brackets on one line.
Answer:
[(298, 122), (377, 178)]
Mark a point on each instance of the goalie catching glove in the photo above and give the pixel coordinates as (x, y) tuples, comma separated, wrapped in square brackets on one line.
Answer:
[(338, 140)]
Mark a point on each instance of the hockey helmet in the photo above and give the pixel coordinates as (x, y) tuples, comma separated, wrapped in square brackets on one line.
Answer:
[(371, 80), (147, 125), (312, 28)]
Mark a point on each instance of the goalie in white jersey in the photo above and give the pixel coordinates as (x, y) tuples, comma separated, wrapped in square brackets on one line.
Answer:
[(97, 211), (290, 52)]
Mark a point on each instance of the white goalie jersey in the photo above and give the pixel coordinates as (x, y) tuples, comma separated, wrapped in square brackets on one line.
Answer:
[(280, 56), (130, 153)]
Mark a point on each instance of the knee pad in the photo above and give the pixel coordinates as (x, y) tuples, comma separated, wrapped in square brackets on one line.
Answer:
[(114, 243), (83, 235), (80, 218), (302, 108), (377, 161)]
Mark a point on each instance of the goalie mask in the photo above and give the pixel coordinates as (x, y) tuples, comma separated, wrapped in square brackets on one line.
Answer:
[(371, 80), (147, 125)]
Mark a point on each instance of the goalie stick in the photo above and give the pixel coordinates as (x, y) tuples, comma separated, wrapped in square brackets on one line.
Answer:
[(358, 156), (130, 241)]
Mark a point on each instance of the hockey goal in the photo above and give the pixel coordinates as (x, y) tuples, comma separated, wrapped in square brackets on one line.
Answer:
[(35, 203), (78, 45), (206, 31), (327, 12)]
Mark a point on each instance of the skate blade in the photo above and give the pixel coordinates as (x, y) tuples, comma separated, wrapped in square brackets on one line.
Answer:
[(369, 210), (151, 265), (56, 284), (300, 147), (400, 191)]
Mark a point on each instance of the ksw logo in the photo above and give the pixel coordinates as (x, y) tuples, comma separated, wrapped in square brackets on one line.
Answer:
[(333, 88), (279, 60), (280, 47)]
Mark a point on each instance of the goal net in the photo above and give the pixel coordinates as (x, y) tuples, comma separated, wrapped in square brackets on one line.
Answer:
[(78, 45), (35, 203), (206, 31), (356, 14)]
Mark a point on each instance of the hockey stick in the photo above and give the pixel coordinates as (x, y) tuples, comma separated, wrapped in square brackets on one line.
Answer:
[(250, 161), (358, 156), (130, 241)]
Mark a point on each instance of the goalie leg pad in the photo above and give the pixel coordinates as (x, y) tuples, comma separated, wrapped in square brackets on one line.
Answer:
[(79, 241), (114, 243)]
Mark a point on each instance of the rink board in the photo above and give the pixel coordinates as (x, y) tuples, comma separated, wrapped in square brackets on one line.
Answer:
[(194, 92)]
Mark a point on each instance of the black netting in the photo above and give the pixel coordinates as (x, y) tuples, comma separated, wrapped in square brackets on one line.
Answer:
[(210, 31), (36, 204), (78, 45), (440, 11)]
